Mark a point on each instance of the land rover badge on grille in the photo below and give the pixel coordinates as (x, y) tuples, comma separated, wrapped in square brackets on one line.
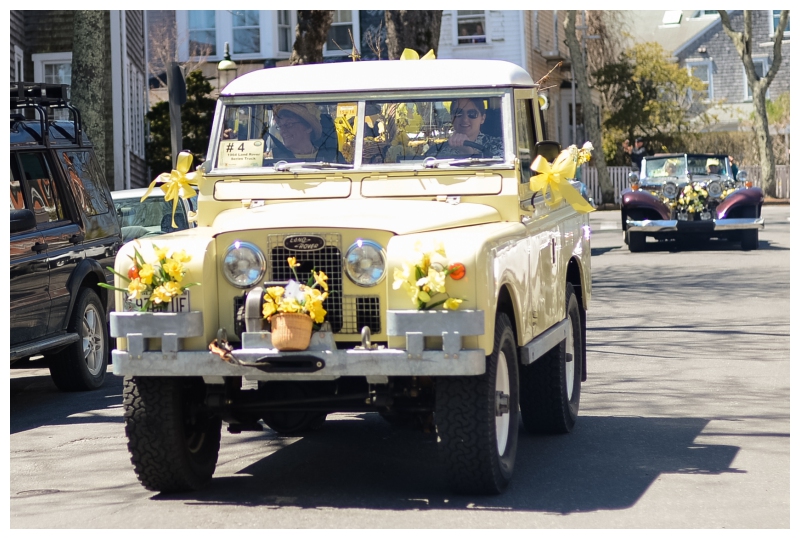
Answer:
[(304, 243)]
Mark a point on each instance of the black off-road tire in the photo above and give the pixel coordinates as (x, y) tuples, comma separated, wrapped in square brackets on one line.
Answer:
[(465, 421), (544, 404), (173, 442), (636, 242), (749, 240), (82, 365)]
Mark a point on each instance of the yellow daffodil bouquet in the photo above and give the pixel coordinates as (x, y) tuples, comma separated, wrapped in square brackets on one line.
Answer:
[(298, 298), (425, 278), (155, 283), (693, 198)]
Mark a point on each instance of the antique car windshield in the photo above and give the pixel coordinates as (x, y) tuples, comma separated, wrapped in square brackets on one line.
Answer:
[(260, 135), (279, 138), (448, 130), (657, 168)]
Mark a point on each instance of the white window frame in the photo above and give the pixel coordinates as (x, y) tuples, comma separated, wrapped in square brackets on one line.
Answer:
[(692, 63), (485, 29), (48, 58), (260, 36), (217, 27), (292, 25), (268, 27), (356, 28), (19, 65), (748, 93), (774, 23)]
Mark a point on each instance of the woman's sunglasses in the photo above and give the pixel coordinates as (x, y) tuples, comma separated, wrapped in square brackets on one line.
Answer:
[(472, 114)]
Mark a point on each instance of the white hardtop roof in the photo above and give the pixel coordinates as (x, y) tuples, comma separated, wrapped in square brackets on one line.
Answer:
[(379, 76)]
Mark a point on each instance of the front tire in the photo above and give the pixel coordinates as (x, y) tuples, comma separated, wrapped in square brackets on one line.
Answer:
[(173, 442), (477, 419), (551, 386), (636, 242), (82, 365), (749, 240)]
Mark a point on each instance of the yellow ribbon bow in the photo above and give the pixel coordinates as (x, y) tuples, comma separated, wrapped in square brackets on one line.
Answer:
[(177, 183), (411, 54), (555, 178)]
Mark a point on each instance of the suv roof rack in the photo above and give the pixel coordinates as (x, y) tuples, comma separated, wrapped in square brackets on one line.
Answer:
[(42, 97)]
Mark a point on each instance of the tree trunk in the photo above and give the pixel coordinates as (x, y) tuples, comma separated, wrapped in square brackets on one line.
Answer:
[(417, 30), (310, 36), (743, 42), (590, 115), (88, 75)]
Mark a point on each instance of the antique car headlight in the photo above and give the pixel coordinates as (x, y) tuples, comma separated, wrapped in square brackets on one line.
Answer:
[(243, 264), (633, 178), (365, 263), (714, 189), (669, 190), (741, 177)]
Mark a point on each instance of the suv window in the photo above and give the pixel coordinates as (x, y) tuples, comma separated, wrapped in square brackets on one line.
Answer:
[(17, 198), (41, 189), (80, 169)]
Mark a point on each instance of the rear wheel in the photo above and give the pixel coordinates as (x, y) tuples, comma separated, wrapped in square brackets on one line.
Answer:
[(172, 439), (82, 365), (477, 420), (749, 240), (550, 388)]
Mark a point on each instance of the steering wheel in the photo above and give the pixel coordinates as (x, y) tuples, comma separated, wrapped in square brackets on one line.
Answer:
[(481, 147)]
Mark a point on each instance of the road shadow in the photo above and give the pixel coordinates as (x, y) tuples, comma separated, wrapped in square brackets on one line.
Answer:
[(597, 251), (689, 244), (36, 401), (605, 463)]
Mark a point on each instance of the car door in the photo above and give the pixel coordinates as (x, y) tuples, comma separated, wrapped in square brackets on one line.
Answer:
[(29, 279), (60, 228)]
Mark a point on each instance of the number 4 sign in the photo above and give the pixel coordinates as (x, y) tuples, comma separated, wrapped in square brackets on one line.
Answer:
[(241, 153)]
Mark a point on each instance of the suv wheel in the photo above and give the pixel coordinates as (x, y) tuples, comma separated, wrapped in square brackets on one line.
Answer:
[(477, 419), (82, 365)]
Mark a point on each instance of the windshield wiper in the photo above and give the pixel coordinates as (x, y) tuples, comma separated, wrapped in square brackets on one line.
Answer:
[(475, 161), (284, 166)]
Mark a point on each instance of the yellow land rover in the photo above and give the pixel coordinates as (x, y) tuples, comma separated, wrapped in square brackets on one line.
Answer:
[(394, 205)]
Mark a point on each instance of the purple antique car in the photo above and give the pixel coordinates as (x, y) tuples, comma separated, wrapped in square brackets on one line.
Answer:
[(690, 195)]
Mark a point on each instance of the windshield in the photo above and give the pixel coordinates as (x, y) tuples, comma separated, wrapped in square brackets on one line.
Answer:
[(325, 135), (260, 135), (665, 167), (402, 131)]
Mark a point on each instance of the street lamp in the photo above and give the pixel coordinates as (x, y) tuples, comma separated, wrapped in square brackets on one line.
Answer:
[(226, 69)]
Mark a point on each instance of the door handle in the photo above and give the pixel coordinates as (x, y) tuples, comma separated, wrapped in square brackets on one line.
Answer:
[(76, 238), (39, 247)]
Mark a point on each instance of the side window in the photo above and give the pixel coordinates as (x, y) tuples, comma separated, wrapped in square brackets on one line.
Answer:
[(41, 188), (84, 180), (525, 138), (17, 198)]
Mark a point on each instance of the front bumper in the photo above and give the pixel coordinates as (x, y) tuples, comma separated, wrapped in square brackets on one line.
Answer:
[(676, 226), (258, 360)]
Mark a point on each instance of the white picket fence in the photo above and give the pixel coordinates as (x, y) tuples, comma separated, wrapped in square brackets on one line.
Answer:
[(619, 179)]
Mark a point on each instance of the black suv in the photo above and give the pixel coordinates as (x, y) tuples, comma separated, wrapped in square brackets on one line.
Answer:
[(64, 235)]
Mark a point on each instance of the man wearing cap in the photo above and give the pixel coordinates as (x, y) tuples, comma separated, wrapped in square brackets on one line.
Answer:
[(638, 153), (301, 137)]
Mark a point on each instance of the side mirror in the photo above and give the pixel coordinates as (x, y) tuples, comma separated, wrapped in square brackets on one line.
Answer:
[(22, 220), (549, 149)]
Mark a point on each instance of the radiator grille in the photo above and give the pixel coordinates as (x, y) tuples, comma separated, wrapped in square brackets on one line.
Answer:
[(347, 314)]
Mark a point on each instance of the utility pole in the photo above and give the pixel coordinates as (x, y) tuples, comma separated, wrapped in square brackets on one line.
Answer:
[(176, 90)]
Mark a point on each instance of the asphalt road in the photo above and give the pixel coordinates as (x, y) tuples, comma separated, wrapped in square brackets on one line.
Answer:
[(684, 424)]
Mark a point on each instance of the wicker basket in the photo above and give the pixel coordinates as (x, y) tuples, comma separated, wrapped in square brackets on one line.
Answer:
[(291, 331)]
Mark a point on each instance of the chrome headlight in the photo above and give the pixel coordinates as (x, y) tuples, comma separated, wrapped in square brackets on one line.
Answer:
[(243, 264), (669, 190), (633, 178), (365, 263), (714, 189)]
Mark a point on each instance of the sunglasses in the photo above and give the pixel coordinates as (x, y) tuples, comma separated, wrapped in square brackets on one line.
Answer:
[(472, 114)]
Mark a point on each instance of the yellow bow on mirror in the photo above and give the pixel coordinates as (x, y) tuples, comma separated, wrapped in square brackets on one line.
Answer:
[(411, 54), (555, 179), (177, 183)]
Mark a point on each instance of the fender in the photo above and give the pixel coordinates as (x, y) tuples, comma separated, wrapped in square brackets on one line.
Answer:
[(90, 268), (743, 197), (644, 200)]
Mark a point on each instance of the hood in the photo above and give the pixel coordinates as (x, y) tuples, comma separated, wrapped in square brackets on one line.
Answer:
[(396, 216)]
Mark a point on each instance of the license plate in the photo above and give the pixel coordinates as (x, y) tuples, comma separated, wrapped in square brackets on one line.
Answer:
[(178, 304)]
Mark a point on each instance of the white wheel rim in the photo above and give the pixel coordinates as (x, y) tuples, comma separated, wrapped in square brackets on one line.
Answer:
[(92, 340), (570, 370), (502, 387)]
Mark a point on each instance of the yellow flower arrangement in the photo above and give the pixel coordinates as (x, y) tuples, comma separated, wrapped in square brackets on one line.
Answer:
[(424, 278), (298, 298), (155, 283), (692, 199)]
